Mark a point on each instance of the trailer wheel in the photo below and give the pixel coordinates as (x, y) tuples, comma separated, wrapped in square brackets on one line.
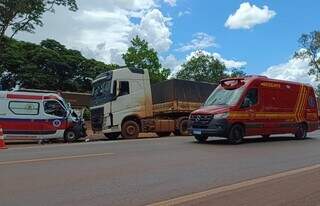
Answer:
[(69, 136), (163, 134), (183, 128), (301, 132), (130, 129), (201, 138), (112, 136), (236, 134)]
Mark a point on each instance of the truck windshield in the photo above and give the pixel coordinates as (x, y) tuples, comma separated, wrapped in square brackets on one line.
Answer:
[(221, 96), (101, 92)]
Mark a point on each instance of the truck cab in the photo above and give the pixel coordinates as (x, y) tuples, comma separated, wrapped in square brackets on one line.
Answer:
[(118, 96)]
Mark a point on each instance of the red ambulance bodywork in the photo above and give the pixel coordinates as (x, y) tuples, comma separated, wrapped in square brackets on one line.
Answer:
[(23, 115), (256, 105)]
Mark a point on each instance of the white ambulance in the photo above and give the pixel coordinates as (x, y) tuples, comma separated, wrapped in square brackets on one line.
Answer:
[(31, 115)]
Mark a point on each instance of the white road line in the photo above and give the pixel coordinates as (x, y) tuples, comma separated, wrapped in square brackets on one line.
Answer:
[(187, 198), (53, 158)]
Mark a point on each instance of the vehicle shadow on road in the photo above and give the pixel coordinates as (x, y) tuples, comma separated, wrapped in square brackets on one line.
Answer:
[(255, 140)]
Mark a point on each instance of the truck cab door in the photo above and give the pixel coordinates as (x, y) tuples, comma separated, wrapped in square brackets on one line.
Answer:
[(124, 101)]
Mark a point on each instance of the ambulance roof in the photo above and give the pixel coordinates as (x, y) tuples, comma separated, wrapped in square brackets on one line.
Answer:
[(252, 78), (29, 95)]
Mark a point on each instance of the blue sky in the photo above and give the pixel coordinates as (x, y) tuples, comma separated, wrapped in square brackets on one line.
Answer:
[(260, 36), (262, 46)]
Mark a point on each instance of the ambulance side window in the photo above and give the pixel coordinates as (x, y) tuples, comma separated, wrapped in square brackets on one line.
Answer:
[(24, 108), (251, 98), (54, 108), (312, 102)]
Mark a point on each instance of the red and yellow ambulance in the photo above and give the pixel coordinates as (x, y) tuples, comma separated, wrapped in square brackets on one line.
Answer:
[(256, 105), (29, 115)]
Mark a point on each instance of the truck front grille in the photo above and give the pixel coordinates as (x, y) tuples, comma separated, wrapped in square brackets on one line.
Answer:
[(97, 119)]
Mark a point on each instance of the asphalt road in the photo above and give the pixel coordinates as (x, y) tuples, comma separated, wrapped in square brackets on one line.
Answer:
[(147, 171)]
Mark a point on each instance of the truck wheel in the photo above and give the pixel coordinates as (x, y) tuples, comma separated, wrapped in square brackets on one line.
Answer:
[(201, 138), (112, 136), (163, 134), (236, 134), (183, 128), (69, 136), (301, 132), (130, 130)]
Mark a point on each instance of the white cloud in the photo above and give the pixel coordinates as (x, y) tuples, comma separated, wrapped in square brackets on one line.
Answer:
[(129, 4), (201, 41), (114, 29), (172, 3), (247, 16), (154, 28), (184, 13), (229, 63), (172, 63), (103, 29), (294, 70)]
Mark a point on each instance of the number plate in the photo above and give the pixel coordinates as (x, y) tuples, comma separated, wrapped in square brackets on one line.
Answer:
[(196, 132)]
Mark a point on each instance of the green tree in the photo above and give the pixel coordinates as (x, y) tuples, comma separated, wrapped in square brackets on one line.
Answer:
[(24, 15), (202, 67), (237, 72), (139, 55), (310, 49), (49, 66)]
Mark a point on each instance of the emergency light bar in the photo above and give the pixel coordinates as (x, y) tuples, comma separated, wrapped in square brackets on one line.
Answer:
[(232, 83)]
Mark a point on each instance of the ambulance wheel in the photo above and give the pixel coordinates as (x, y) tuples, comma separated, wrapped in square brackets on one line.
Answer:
[(236, 134), (301, 132), (112, 136), (130, 129), (70, 136), (201, 138), (163, 134)]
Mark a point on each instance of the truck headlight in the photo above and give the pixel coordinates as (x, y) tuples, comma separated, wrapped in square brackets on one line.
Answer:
[(221, 115)]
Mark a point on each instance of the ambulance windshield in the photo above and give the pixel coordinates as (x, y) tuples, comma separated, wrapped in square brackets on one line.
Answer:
[(221, 96)]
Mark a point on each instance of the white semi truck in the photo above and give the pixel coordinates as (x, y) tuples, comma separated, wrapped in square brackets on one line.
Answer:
[(125, 103)]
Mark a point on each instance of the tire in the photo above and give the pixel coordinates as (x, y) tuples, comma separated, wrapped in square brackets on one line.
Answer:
[(183, 128), (301, 132), (265, 136), (130, 129), (236, 134), (201, 138), (163, 134), (112, 136), (176, 133), (69, 136)]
